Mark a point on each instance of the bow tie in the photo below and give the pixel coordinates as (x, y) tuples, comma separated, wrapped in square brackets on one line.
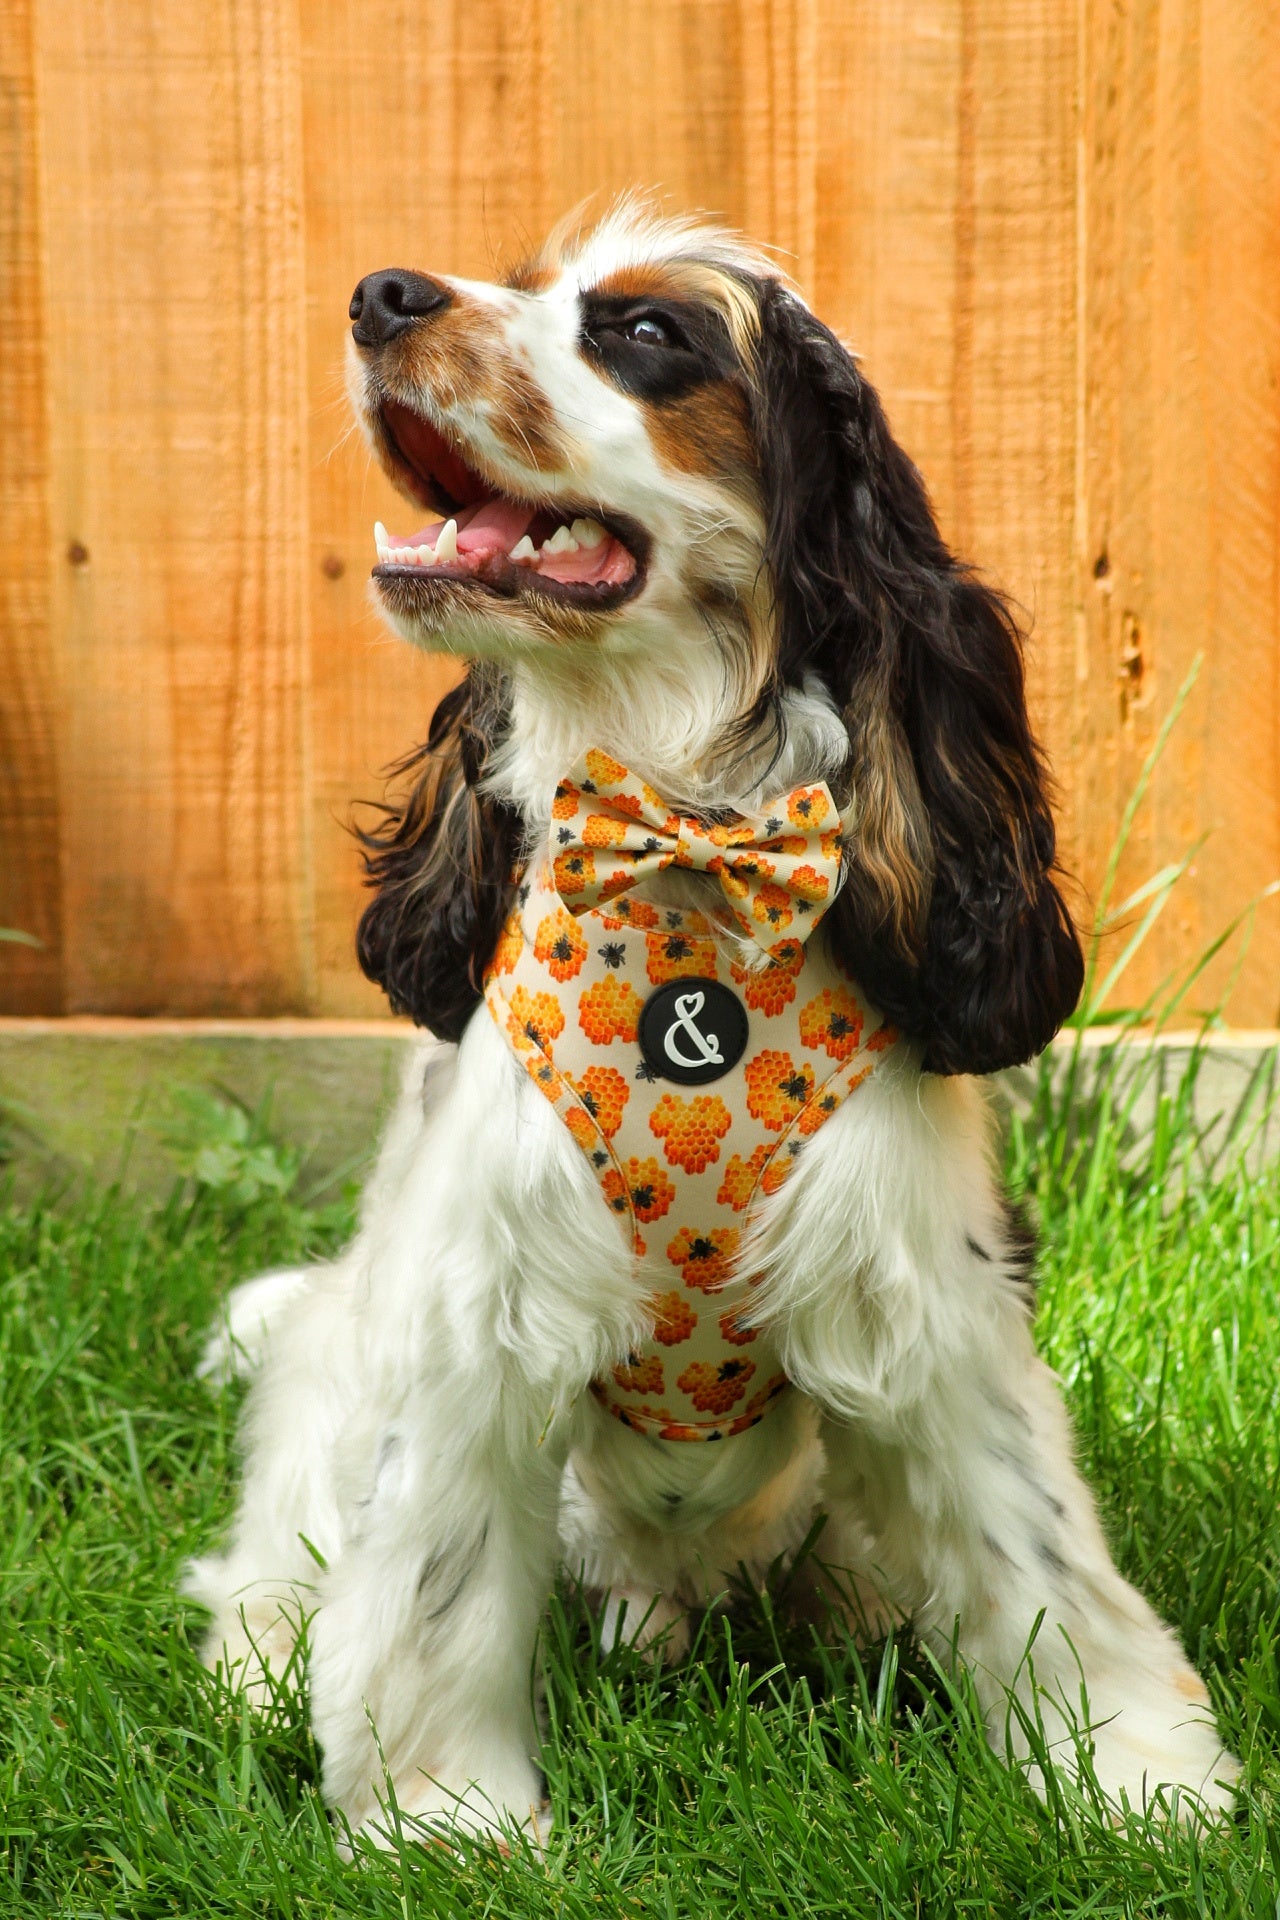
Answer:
[(610, 830)]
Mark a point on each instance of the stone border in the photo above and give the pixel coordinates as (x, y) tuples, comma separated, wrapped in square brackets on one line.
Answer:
[(90, 1094)]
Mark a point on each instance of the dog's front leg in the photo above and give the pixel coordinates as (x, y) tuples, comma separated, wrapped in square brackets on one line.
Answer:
[(422, 1656), (981, 1528)]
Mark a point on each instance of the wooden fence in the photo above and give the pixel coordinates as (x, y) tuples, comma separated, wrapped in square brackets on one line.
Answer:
[(1052, 229)]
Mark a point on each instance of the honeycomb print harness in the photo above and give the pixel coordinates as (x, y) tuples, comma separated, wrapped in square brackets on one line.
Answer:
[(690, 1081)]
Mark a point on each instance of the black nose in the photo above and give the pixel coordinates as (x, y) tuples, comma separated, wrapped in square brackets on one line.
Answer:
[(387, 304)]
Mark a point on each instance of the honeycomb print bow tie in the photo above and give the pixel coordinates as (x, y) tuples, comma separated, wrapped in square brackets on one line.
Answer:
[(610, 830)]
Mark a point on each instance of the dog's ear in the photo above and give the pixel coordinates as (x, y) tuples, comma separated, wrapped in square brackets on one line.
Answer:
[(442, 860), (948, 914)]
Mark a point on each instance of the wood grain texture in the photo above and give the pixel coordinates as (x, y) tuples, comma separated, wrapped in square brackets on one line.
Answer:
[(1180, 474), (401, 166), (175, 320), (30, 888), (1051, 233)]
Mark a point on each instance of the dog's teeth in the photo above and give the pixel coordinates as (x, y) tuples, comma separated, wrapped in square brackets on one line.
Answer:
[(561, 541), (588, 533), (426, 556), (381, 538), (447, 542), (523, 549)]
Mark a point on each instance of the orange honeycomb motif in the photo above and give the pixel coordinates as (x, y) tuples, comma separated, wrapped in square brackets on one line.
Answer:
[(509, 948), (832, 1019), (567, 801), (601, 831), (772, 907), (533, 1019), (609, 1010), (616, 882), (640, 1373), (705, 1260), (741, 1178), (630, 913), (732, 1329), (810, 884), (544, 1075), (678, 956), (642, 1183), (817, 1111), (715, 1389), (604, 1093), (776, 1172), (575, 871), (723, 833), (691, 1130), (673, 1318), (656, 804), (762, 1396), (604, 769), (582, 1127), (769, 989), (777, 1089), (808, 807), (560, 944)]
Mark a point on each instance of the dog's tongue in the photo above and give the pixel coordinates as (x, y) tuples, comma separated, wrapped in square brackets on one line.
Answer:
[(493, 528)]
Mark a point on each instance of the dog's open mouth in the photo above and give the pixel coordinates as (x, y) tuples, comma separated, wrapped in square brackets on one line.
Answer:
[(489, 539)]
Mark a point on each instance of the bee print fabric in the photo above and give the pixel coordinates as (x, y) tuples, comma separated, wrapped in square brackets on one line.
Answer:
[(682, 1166)]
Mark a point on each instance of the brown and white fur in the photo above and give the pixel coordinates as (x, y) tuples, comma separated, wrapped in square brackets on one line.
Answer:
[(759, 597)]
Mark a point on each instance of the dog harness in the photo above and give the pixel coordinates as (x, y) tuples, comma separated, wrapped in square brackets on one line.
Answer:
[(690, 1080)]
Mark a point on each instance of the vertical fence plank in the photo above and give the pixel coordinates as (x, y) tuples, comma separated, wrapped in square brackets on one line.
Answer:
[(780, 53), (1181, 479), (427, 159), (885, 243), (173, 174), (645, 97), (1013, 412), (30, 894), (946, 174)]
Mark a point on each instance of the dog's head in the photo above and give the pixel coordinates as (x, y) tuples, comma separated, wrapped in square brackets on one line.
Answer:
[(647, 467)]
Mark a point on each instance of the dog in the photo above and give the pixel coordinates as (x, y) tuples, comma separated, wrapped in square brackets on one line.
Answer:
[(735, 835)]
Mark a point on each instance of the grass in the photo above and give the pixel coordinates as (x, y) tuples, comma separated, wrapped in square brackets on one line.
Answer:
[(769, 1776)]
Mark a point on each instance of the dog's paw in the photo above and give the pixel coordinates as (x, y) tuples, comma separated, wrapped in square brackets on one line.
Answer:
[(654, 1624), (237, 1345), (1190, 1780), (1159, 1754), (431, 1815), (254, 1652)]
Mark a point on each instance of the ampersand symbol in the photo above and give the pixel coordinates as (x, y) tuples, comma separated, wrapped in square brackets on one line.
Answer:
[(688, 1007)]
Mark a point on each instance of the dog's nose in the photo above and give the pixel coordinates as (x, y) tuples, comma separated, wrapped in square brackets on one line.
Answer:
[(387, 304)]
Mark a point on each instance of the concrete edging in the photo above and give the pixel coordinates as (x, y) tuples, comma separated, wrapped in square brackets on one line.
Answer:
[(90, 1094)]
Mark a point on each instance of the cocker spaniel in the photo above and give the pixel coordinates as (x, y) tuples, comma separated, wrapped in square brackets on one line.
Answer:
[(724, 868)]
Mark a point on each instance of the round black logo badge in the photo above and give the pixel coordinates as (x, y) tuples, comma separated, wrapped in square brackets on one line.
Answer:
[(692, 1031)]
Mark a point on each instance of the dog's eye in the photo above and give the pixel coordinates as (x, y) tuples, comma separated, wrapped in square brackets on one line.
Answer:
[(648, 331)]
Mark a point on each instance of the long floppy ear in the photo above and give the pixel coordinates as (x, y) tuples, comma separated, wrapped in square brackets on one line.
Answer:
[(441, 860), (948, 915)]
